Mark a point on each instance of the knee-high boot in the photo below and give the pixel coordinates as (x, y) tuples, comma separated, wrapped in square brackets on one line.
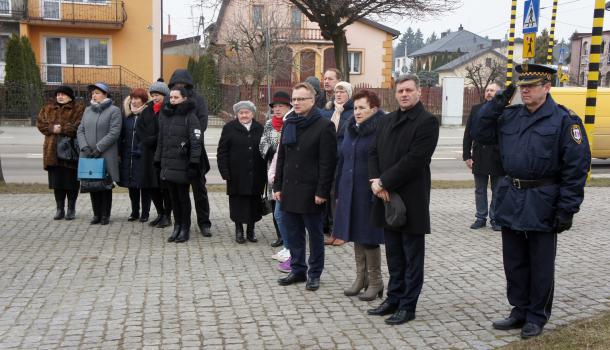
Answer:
[(60, 202), (360, 282), (373, 266), (71, 213), (239, 233)]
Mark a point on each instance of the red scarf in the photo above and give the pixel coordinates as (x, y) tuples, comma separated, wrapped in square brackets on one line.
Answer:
[(157, 107), (277, 123)]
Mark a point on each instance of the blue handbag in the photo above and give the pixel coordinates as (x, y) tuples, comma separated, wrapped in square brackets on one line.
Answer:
[(91, 169)]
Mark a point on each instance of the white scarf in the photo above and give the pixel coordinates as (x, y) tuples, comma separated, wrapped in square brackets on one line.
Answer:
[(336, 118)]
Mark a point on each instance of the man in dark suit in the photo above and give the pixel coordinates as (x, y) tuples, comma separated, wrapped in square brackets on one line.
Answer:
[(306, 162), (486, 165), (399, 165)]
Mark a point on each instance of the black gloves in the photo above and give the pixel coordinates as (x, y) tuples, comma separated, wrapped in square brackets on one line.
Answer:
[(87, 151), (502, 99), (562, 223), (91, 153), (193, 171)]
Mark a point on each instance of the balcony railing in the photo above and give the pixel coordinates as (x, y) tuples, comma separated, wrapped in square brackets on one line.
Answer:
[(98, 14), (298, 34), (11, 15), (75, 75)]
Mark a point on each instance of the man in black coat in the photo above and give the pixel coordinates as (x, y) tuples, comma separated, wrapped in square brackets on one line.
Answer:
[(399, 165), (306, 162), (182, 78), (486, 165)]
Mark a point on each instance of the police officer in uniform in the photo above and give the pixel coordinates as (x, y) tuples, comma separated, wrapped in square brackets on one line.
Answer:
[(546, 156)]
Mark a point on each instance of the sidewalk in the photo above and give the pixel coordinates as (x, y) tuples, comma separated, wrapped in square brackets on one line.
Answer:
[(69, 284)]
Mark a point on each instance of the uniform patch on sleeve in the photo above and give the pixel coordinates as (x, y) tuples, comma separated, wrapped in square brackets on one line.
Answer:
[(576, 133), (197, 133)]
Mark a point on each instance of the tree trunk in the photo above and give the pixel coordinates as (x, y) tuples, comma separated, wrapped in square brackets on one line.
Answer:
[(340, 43), (2, 182)]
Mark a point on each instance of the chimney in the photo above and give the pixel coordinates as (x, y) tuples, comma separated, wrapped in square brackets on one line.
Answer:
[(495, 43), (169, 36), (461, 28)]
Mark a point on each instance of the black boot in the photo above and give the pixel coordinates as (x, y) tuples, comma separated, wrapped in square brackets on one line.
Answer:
[(184, 235), (250, 233), (59, 213), (156, 220), (175, 233), (239, 233), (278, 241), (166, 221), (71, 213)]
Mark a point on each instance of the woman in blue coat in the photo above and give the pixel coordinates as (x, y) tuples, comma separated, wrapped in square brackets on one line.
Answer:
[(130, 150), (354, 196), (342, 112)]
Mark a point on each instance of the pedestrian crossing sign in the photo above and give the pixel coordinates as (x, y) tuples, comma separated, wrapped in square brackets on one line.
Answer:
[(531, 11)]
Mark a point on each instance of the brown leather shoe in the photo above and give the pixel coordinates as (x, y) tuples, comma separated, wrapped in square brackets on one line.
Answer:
[(329, 240), (338, 242)]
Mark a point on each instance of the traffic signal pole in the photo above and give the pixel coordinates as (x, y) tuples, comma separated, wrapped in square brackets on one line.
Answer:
[(593, 76), (511, 43)]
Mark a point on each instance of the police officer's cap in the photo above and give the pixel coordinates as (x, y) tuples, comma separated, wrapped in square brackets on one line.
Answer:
[(534, 73)]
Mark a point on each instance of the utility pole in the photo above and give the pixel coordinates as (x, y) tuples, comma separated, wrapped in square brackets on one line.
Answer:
[(511, 43)]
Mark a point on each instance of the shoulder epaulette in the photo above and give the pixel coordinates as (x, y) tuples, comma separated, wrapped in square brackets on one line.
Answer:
[(570, 112)]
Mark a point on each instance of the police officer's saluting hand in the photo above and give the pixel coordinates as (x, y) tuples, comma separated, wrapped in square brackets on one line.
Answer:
[(545, 152)]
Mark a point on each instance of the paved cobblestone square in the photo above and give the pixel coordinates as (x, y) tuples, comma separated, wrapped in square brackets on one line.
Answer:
[(75, 286)]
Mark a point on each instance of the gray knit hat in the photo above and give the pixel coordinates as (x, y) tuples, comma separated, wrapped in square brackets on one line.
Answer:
[(244, 104), (159, 87)]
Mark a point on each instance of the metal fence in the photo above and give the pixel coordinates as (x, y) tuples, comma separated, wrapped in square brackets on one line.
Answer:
[(431, 98), (22, 102)]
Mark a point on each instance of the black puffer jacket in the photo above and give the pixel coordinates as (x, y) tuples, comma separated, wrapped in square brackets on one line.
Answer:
[(179, 142), (182, 76)]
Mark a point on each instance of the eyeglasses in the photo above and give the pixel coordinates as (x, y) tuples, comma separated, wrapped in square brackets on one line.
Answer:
[(300, 99), (530, 86)]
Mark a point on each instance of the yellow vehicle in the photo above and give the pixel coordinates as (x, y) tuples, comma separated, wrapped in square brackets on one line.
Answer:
[(574, 99)]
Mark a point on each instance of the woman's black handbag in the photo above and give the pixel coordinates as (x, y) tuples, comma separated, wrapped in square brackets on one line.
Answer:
[(266, 203), (67, 148), (89, 186)]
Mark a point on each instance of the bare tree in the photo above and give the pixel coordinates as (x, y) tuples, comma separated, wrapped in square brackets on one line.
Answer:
[(481, 74), (334, 16), (255, 53)]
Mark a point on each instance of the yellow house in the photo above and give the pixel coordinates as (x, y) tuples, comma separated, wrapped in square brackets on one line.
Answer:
[(369, 42), (80, 42)]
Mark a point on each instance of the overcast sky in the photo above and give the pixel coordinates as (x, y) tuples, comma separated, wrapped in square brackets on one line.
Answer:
[(484, 17)]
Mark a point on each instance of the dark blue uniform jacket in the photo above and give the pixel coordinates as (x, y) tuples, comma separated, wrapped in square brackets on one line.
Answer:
[(549, 143)]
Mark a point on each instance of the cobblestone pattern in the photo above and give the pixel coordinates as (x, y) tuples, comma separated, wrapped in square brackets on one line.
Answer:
[(72, 285)]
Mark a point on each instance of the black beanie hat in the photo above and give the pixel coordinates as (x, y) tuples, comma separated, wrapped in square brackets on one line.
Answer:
[(64, 89)]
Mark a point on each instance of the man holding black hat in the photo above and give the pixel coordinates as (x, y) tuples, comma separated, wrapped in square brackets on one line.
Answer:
[(546, 156)]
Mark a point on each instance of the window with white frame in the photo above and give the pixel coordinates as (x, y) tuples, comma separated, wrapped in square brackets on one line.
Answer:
[(5, 7), (3, 41), (77, 51), (354, 60)]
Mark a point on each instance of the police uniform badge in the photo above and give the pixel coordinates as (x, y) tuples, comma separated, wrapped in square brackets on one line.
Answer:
[(197, 133), (576, 133)]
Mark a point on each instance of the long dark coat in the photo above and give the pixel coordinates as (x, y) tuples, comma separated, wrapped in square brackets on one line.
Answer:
[(486, 158), (400, 157), (130, 149), (147, 131), (239, 160), (353, 190), (69, 117), (307, 169)]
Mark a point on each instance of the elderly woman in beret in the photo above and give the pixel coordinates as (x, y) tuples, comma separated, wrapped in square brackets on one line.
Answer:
[(98, 135), (242, 166)]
